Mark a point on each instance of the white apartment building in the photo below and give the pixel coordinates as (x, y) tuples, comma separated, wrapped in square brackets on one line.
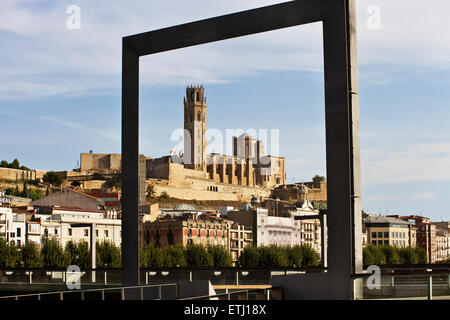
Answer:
[(12, 226), (68, 224)]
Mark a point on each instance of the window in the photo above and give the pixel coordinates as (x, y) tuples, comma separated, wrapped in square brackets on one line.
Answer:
[(96, 232), (12, 234), (380, 234), (386, 242), (56, 231), (19, 231), (106, 234), (198, 116), (374, 234), (189, 241), (18, 243), (215, 233), (189, 232), (207, 234), (69, 231), (86, 232), (374, 242), (386, 234)]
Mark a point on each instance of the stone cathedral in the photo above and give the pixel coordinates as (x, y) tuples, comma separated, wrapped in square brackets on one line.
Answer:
[(197, 175)]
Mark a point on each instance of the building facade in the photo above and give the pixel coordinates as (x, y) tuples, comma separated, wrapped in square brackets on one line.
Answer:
[(389, 231)]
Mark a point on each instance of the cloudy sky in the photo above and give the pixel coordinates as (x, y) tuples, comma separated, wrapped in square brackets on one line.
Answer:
[(60, 89)]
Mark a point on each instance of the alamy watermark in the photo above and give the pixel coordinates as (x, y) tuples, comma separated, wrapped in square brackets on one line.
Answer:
[(73, 21), (73, 281), (374, 19), (374, 280)]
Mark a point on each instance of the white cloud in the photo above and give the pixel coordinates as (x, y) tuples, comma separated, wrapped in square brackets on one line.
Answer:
[(42, 50), (413, 163), (423, 196)]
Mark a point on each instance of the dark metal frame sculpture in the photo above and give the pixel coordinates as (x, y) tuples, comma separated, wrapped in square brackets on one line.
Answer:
[(341, 118)]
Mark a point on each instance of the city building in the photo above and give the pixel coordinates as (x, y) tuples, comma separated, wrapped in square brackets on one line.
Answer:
[(442, 244), (276, 230), (71, 198), (389, 231), (187, 228), (426, 235), (74, 224), (12, 226)]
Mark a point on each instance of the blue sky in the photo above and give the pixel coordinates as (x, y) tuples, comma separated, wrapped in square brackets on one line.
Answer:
[(60, 90)]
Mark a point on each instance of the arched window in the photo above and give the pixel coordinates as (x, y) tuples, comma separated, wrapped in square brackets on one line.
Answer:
[(192, 96), (198, 96), (198, 116)]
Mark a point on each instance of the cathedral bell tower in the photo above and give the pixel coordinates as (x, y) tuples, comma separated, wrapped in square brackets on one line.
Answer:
[(195, 128)]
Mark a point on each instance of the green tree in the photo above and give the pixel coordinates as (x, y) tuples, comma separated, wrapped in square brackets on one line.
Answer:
[(421, 255), (174, 256), (84, 255), (295, 256), (377, 254), (408, 255), (114, 183), (15, 164), (249, 257), (54, 255), (31, 256), (368, 258), (4, 164), (198, 256), (318, 179), (9, 255), (151, 257), (71, 251), (36, 194), (220, 255), (272, 256), (310, 258), (108, 255), (150, 192), (390, 254), (52, 178)]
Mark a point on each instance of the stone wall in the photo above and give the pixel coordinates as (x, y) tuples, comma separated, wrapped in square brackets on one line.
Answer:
[(16, 174)]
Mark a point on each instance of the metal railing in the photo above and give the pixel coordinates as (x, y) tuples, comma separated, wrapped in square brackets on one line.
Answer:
[(426, 282), (103, 293), (258, 294)]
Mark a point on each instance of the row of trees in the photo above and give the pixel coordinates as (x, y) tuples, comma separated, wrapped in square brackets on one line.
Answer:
[(379, 255), (15, 164), (53, 256), (190, 256), (278, 256)]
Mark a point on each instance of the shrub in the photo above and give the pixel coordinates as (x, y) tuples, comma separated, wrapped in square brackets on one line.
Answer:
[(151, 257), (220, 255), (272, 256), (310, 258), (249, 257), (31, 256), (54, 255), (9, 255), (295, 256), (198, 256), (52, 178), (174, 256), (108, 255)]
